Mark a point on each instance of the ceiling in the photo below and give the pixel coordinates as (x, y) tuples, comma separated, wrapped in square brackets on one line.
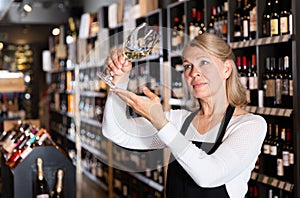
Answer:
[(34, 27), (43, 11)]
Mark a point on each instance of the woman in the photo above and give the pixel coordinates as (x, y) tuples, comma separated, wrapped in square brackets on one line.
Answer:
[(215, 147)]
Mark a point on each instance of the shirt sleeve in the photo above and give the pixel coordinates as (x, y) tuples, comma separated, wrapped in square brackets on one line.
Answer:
[(238, 151), (128, 132)]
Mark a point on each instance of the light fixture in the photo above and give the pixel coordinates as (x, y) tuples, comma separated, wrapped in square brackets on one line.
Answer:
[(55, 31), (27, 7)]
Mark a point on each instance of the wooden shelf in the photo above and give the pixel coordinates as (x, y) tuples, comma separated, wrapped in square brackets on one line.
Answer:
[(271, 181), (262, 41)]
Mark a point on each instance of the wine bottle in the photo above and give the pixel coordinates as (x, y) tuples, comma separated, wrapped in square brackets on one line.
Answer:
[(252, 19), (41, 184), (245, 21), (269, 85), (275, 19), (224, 21), (244, 72), (237, 29), (253, 81), (192, 26), (266, 22), (266, 150), (175, 32), (58, 191), (279, 145), (201, 26), (289, 147), (288, 84), (274, 153), (211, 24), (285, 17), (278, 82)]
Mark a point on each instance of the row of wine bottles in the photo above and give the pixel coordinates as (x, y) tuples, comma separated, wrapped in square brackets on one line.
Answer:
[(126, 185), (277, 20), (18, 142), (277, 158), (277, 81), (149, 164), (41, 187), (95, 166), (91, 107), (12, 105), (255, 191)]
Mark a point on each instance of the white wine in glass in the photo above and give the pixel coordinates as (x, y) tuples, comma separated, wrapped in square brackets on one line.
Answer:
[(138, 44)]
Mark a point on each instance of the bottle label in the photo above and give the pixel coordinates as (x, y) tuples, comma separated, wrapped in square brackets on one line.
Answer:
[(270, 89), (273, 150), (291, 158), (43, 196), (266, 149), (253, 82), (278, 91), (245, 28), (285, 157), (291, 86), (291, 23), (26, 152), (284, 26), (274, 27), (253, 20), (244, 81), (280, 167), (285, 87)]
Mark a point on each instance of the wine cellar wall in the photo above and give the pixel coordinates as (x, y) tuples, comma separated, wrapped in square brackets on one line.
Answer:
[(264, 41)]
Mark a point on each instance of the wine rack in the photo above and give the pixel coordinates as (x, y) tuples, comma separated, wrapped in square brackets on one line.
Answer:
[(18, 181), (168, 75)]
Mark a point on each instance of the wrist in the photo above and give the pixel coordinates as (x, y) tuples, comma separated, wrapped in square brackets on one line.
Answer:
[(160, 125)]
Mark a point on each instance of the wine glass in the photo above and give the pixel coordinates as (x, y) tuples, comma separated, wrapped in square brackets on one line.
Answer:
[(138, 44)]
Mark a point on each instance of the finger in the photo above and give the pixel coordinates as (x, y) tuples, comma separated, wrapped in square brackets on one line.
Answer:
[(150, 94), (115, 58), (121, 56)]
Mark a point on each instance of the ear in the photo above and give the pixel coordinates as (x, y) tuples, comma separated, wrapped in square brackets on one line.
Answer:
[(227, 68)]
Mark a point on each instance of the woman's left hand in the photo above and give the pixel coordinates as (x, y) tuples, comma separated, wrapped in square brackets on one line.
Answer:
[(150, 108)]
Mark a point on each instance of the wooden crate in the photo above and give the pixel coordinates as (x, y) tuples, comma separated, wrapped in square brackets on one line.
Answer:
[(11, 84)]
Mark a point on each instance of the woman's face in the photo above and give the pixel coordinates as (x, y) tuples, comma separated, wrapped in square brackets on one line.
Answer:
[(204, 73)]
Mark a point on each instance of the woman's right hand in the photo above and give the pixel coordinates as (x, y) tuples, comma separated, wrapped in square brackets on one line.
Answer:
[(118, 65)]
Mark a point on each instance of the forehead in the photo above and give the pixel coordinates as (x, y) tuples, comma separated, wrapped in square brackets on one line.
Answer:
[(195, 53)]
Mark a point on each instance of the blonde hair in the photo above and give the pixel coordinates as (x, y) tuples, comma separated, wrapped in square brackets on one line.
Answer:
[(217, 47)]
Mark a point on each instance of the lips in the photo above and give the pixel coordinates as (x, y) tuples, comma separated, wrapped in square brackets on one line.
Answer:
[(198, 84)]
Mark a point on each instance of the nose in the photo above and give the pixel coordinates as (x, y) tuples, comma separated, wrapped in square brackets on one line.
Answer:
[(195, 72)]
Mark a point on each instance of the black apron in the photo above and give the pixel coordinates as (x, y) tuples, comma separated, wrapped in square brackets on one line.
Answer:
[(179, 182)]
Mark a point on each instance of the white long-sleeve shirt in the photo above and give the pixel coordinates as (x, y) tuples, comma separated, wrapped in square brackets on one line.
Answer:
[(231, 164)]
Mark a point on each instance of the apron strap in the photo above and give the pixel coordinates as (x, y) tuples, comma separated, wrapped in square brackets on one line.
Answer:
[(222, 129), (221, 132)]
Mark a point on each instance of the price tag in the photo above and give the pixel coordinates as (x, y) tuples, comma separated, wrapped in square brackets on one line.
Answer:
[(288, 112), (281, 112), (254, 175), (247, 108), (260, 110), (281, 184), (253, 109), (288, 187), (274, 182), (260, 178), (274, 111), (267, 111), (265, 179)]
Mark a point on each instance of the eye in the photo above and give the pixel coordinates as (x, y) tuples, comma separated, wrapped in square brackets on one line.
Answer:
[(204, 62), (187, 66)]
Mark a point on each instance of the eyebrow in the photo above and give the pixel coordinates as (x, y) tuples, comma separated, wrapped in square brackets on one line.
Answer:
[(197, 58)]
